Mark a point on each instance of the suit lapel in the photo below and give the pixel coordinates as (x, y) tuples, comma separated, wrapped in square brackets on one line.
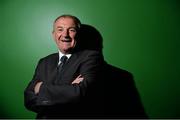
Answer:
[(52, 67), (54, 61)]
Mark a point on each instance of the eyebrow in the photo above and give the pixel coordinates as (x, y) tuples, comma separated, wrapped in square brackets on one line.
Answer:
[(68, 28), (59, 27)]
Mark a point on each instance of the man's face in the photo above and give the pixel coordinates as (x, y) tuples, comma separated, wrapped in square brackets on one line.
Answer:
[(64, 34)]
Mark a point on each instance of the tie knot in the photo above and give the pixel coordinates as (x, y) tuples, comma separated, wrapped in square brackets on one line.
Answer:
[(63, 59)]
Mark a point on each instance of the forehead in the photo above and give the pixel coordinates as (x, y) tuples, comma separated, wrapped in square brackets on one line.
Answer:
[(65, 21)]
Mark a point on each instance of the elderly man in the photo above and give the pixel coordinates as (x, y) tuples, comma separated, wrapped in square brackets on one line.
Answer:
[(62, 83)]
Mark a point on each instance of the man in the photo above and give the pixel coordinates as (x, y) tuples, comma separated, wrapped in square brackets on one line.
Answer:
[(64, 83)]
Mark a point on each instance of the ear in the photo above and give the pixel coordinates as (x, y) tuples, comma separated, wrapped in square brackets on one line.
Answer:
[(53, 34)]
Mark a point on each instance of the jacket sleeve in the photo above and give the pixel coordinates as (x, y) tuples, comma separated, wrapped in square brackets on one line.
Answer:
[(30, 98), (89, 68)]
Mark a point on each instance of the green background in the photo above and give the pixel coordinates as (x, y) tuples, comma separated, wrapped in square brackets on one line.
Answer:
[(141, 36)]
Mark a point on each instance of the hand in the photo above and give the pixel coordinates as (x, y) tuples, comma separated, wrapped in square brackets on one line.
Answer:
[(37, 87), (78, 80)]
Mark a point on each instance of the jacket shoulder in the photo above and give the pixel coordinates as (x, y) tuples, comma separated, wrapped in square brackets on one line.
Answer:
[(49, 57)]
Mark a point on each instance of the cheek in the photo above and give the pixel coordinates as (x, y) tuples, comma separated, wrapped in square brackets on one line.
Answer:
[(57, 36), (72, 43), (73, 35)]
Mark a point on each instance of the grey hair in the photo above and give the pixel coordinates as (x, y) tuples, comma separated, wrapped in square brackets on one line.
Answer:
[(76, 20)]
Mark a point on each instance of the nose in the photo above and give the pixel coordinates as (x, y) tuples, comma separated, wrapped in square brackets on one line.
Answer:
[(65, 33)]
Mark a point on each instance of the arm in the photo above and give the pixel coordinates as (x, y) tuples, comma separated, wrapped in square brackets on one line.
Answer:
[(32, 104), (38, 84), (30, 97)]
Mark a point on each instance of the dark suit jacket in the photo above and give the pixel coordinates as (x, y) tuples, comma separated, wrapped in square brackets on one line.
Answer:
[(57, 97)]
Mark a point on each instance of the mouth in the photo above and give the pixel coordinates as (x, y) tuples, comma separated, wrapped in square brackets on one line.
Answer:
[(66, 40)]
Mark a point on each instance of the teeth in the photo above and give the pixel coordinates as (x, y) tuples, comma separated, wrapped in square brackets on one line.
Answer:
[(66, 40)]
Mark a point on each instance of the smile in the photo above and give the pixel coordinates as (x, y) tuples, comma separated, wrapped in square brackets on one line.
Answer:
[(66, 40)]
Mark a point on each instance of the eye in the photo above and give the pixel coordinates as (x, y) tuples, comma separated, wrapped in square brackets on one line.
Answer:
[(60, 30), (72, 30)]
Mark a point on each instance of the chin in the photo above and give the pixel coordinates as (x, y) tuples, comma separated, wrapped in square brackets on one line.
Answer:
[(67, 50)]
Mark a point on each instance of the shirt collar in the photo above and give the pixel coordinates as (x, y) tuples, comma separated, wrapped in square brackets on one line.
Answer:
[(61, 54)]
